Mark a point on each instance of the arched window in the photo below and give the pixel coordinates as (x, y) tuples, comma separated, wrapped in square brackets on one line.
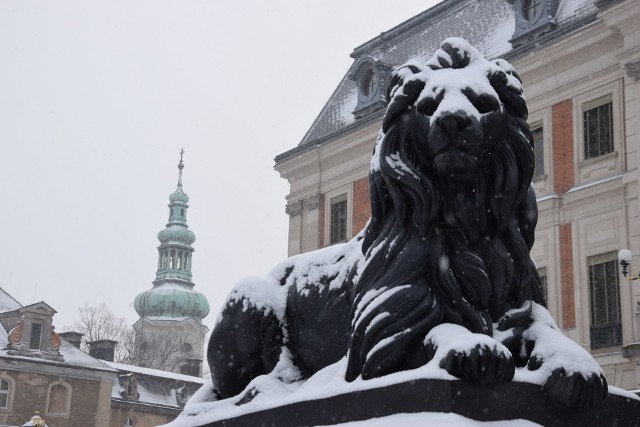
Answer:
[(5, 393), (59, 399), (182, 212), (129, 422), (172, 260)]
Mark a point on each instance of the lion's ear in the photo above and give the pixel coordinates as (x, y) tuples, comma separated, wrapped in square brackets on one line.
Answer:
[(404, 97), (510, 94)]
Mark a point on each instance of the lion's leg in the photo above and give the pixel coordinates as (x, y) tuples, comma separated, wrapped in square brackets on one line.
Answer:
[(470, 356), (245, 343), (571, 378)]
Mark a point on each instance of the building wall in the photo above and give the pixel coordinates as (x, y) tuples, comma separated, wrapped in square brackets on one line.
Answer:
[(141, 418), (88, 405), (586, 207)]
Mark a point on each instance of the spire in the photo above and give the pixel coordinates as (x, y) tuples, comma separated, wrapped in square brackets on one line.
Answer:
[(172, 295)]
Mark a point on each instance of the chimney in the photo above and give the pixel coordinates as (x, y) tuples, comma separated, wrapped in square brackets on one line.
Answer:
[(73, 338), (102, 349)]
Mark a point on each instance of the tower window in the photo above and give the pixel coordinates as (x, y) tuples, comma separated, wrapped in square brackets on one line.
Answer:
[(182, 212), (36, 334), (367, 83), (531, 9)]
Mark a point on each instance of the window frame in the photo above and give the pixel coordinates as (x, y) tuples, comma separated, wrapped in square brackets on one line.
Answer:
[(606, 165), (544, 272), (615, 324), (592, 105), (333, 194), (10, 392), (339, 229)]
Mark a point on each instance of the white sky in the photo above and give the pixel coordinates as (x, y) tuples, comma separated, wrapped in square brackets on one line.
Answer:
[(98, 98)]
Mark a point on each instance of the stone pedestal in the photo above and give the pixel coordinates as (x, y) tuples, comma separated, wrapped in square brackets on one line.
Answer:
[(503, 402)]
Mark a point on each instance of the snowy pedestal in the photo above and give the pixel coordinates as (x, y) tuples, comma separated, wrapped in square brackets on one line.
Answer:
[(511, 401)]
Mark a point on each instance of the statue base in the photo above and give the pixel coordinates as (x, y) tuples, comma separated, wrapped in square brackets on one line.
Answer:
[(510, 401)]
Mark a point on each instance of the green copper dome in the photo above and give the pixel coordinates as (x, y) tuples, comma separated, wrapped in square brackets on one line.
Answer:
[(173, 301), (179, 195), (172, 295), (177, 234)]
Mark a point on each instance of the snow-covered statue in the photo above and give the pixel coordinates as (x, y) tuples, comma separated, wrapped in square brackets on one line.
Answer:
[(442, 272)]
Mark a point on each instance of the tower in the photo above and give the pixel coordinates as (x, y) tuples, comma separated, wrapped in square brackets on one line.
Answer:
[(170, 334)]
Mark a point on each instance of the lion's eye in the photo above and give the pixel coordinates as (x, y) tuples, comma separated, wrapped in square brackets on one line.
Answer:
[(428, 105), (485, 104)]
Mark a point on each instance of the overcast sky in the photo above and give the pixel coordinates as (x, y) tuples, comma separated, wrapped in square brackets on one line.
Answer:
[(98, 98)]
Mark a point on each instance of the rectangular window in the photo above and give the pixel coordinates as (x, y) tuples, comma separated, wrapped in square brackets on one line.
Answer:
[(338, 219), (606, 327), (542, 272), (538, 148), (36, 333), (5, 389), (598, 127)]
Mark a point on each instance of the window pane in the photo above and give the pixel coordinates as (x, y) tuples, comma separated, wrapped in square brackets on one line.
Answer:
[(4, 385), (36, 331), (606, 327), (338, 219), (542, 272), (538, 151), (4, 400), (598, 127)]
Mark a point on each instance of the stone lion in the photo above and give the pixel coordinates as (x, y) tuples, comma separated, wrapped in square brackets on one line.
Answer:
[(452, 224)]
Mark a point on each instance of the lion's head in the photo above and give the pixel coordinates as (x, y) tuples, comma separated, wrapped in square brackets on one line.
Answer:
[(453, 214)]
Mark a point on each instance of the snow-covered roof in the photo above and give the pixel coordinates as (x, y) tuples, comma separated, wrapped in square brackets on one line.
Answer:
[(488, 25), (7, 302), (155, 387), (73, 357), (154, 372)]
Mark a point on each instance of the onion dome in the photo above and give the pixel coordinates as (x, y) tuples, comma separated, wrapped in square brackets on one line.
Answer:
[(179, 195), (176, 234), (171, 301)]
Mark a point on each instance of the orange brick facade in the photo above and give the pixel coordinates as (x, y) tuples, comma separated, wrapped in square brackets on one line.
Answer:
[(562, 143), (361, 204), (567, 284)]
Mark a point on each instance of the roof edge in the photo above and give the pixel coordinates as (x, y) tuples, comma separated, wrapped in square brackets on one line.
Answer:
[(299, 149), (400, 29)]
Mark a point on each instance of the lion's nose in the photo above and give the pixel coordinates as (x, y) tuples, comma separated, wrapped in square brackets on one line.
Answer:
[(452, 122)]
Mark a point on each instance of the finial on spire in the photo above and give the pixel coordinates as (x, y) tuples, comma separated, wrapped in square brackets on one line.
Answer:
[(180, 167)]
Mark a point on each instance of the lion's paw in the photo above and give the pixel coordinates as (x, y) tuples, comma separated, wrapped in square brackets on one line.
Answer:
[(481, 364), (574, 390)]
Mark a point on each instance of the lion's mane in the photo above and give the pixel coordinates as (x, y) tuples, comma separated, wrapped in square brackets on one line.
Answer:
[(437, 252)]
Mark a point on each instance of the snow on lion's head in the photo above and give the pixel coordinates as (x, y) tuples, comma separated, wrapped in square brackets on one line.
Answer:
[(453, 215)]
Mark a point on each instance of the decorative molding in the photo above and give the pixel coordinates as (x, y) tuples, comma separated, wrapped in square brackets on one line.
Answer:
[(312, 202), (633, 70), (303, 205), (294, 208)]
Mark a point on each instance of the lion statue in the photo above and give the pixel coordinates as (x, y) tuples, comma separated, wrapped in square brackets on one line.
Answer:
[(446, 252)]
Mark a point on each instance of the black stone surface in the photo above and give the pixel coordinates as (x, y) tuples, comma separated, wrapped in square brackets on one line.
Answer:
[(482, 403)]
